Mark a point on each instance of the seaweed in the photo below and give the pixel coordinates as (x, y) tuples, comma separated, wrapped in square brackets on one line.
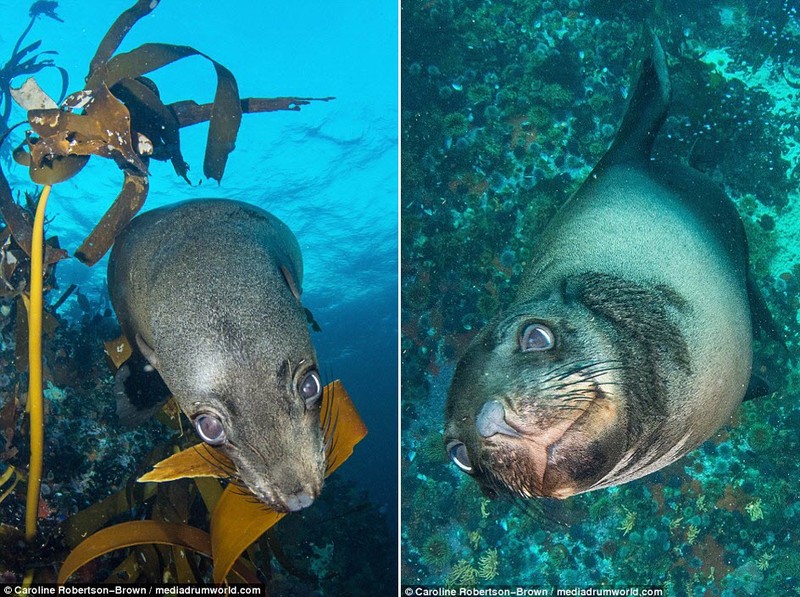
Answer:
[(237, 519), (28, 60), (119, 115)]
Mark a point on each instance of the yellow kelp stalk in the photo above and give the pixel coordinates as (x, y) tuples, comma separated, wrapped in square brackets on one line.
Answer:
[(35, 401)]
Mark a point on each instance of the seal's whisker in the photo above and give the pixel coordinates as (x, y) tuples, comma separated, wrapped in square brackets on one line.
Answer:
[(589, 371), (530, 508), (330, 436), (576, 369), (256, 450), (216, 462), (331, 418), (242, 491), (238, 483), (331, 464), (221, 462), (553, 372)]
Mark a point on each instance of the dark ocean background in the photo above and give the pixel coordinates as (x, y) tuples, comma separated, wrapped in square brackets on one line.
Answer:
[(328, 171), (505, 108)]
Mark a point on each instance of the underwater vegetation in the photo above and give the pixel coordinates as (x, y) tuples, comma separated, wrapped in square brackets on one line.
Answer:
[(506, 106), (120, 115), (27, 60), (80, 480)]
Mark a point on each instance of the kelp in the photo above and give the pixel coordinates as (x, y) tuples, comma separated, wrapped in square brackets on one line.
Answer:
[(21, 227), (79, 526), (125, 206), (200, 460), (237, 518), (35, 402), (141, 532), (119, 115), (10, 477), (27, 61), (118, 351)]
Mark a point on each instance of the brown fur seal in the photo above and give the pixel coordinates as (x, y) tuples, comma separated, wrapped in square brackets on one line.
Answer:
[(629, 341), (209, 292)]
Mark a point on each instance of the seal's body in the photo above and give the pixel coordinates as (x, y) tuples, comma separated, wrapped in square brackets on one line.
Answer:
[(629, 341), (208, 291)]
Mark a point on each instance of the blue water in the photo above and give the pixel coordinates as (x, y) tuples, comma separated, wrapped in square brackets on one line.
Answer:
[(328, 171)]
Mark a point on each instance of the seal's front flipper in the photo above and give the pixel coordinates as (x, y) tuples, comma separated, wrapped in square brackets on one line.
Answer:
[(147, 352), (646, 110), (139, 390), (311, 321)]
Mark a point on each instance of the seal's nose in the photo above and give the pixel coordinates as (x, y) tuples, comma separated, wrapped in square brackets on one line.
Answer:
[(298, 501), (492, 420)]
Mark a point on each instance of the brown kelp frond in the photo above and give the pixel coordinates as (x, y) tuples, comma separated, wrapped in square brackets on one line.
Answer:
[(117, 32), (151, 118), (120, 115), (103, 129), (25, 61), (128, 534), (125, 206), (189, 112), (226, 110), (46, 8)]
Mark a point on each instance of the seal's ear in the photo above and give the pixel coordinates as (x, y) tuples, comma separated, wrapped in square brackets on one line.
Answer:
[(290, 281)]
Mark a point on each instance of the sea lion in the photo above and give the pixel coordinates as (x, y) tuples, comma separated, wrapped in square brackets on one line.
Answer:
[(629, 341), (209, 293)]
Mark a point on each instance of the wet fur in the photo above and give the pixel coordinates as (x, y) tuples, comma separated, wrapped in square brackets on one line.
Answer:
[(642, 277), (200, 284)]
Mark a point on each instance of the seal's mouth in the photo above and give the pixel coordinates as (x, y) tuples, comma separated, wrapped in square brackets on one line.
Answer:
[(286, 489), (547, 451), (287, 502), (285, 483)]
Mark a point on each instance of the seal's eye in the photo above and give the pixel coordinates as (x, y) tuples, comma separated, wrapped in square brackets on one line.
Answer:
[(210, 429), (310, 388), (536, 337), (458, 454)]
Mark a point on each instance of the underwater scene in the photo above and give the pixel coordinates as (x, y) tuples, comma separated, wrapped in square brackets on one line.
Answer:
[(599, 353), (287, 114)]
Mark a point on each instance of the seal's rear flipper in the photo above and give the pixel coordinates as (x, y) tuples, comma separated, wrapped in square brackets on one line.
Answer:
[(762, 317), (646, 110), (757, 388), (139, 390)]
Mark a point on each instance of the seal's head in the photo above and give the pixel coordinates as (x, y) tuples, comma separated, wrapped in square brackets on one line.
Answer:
[(210, 292), (260, 410), (534, 408), (281, 462)]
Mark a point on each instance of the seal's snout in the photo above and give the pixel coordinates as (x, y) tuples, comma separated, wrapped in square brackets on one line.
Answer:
[(491, 420), (299, 500), (287, 496)]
